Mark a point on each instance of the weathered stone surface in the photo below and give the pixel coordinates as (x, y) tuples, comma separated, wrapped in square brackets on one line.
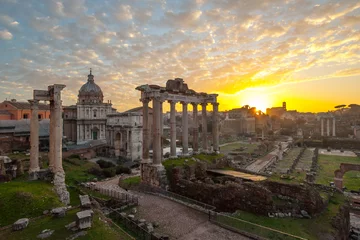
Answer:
[(45, 234), (70, 225), (142, 220), (20, 224), (305, 214), (85, 201), (60, 187), (84, 219), (133, 210), (123, 214), (132, 217), (149, 227), (59, 212), (45, 212), (76, 235), (341, 222)]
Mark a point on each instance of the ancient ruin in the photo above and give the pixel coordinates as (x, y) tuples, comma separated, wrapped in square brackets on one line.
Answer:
[(339, 173), (175, 91), (328, 118), (53, 94)]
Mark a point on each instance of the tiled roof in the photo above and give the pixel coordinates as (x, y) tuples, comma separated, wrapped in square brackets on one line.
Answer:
[(26, 105), (22, 127)]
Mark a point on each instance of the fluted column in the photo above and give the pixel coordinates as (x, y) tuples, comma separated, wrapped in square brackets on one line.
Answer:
[(172, 129), (215, 127), (161, 130), (57, 132), (328, 127), (195, 129), (333, 130), (156, 132), (322, 126), (204, 128), (34, 137), (51, 135), (146, 137), (185, 129)]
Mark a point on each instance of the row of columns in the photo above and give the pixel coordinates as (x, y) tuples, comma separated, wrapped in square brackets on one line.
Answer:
[(328, 127), (56, 131), (158, 129)]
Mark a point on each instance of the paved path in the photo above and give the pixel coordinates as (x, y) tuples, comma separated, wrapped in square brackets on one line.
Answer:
[(180, 222)]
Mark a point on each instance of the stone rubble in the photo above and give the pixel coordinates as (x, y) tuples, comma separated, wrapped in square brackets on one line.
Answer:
[(20, 224), (45, 233)]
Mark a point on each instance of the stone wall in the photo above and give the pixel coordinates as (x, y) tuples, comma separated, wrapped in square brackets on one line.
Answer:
[(341, 223), (153, 175), (335, 143)]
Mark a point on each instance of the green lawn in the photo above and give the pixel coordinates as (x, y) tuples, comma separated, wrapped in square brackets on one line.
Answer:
[(20, 199), (130, 182), (182, 161), (99, 230), (77, 170), (328, 164), (305, 228)]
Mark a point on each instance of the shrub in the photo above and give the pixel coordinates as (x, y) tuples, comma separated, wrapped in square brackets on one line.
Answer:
[(109, 172), (96, 171), (74, 156), (121, 169), (105, 164)]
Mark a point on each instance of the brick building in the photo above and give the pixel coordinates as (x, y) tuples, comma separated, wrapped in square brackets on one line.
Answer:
[(14, 110)]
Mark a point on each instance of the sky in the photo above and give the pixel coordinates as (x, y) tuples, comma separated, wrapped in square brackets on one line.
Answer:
[(255, 52)]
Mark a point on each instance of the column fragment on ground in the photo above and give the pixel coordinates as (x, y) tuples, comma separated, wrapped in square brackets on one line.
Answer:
[(215, 128), (34, 139), (146, 137), (172, 129), (185, 129), (204, 128), (195, 128)]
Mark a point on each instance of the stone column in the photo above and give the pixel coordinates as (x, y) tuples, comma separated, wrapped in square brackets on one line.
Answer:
[(146, 137), (333, 130), (51, 136), (185, 129), (156, 132), (172, 129), (322, 126), (328, 127), (204, 128), (215, 127), (161, 130), (34, 139), (195, 128)]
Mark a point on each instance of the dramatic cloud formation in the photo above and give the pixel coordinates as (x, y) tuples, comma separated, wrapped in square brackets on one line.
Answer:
[(228, 47)]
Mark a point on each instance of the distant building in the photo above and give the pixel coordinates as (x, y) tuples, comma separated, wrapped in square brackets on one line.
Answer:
[(86, 120), (276, 111), (14, 110), (239, 121)]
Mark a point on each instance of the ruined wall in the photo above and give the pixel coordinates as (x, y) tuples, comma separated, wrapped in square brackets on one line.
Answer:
[(341, 223), (153, 175), (334, 143)]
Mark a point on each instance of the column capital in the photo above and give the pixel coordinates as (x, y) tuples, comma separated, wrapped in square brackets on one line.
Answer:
[(194, 104), (184, 103), (204, 104), (144, 100), (215, 104)]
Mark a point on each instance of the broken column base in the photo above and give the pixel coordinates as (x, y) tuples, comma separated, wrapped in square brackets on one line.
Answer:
[(60, 187), (154, 175), (33, 175)]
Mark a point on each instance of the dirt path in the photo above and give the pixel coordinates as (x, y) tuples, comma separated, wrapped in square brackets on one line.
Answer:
[(180, 222)]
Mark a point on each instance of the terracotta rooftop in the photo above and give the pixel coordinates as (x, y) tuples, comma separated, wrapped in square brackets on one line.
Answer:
[(26, 105)]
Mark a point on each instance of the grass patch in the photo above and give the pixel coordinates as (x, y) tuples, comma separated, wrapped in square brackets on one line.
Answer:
[(328, 164), (99, 230), (248, 148), (295, 177), (182, 161), (25, 199), (77, 171), (305, 228), (130, 182)]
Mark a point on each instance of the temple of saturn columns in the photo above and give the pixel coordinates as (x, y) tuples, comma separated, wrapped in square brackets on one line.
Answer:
[(328, 119), (176, 91), (53, 94)]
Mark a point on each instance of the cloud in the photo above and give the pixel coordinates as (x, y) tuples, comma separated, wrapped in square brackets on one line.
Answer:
[(347, 72), (8, 21), (5, 35)]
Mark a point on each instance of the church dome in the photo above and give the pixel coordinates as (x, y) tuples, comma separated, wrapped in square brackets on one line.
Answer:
[(90, 92)]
